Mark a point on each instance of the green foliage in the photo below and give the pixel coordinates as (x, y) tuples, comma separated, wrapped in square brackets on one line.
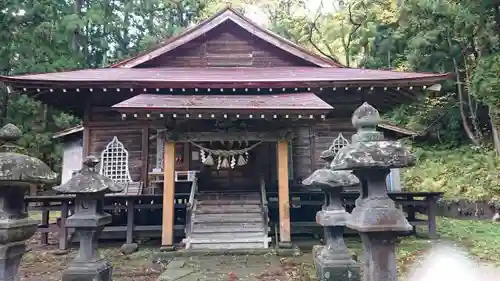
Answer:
[(486, 80), (437, 117), (462, 173)]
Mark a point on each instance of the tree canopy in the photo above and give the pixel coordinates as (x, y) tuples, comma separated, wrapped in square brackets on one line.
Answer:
[(419, 35)]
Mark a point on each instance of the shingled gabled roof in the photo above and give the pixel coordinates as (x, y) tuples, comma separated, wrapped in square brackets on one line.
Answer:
[(223, 16)]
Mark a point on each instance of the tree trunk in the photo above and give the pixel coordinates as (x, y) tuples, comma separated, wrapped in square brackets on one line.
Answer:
[(495, 129), (463, 116)]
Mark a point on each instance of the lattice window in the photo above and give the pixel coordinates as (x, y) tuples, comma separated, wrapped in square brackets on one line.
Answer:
[(339, 142), (114, 162)]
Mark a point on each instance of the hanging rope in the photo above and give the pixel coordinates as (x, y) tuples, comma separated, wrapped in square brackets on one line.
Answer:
[(226, 158), (226, 153)]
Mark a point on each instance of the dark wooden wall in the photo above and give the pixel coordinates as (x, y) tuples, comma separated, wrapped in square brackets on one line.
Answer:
[(230, 46), (308, 142)]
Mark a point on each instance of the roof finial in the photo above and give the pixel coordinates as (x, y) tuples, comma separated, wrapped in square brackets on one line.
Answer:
[(228, 3)]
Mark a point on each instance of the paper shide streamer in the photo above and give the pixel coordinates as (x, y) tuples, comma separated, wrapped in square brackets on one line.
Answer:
[(225, 158)]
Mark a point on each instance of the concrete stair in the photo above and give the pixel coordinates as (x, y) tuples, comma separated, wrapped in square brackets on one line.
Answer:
[(228, 221)]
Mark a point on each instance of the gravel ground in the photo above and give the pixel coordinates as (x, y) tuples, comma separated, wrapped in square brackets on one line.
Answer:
[(47, 263)]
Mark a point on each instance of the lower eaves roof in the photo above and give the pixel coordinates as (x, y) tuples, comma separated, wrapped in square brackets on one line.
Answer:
[(303, 102)]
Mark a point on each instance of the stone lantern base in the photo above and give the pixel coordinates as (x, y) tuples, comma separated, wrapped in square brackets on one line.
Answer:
[(333, 261), (342, 269), (95, 271)]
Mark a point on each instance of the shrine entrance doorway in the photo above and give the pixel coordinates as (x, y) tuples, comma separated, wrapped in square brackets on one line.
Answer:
[(244, 168)]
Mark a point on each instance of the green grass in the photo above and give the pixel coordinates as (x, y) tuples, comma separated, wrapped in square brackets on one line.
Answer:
[(53, 215), (480, 238)]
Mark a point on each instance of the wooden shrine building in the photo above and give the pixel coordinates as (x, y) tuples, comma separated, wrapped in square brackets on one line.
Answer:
[(227, 111)]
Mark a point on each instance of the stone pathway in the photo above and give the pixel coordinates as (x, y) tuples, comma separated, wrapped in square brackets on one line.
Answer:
[(231, 268)]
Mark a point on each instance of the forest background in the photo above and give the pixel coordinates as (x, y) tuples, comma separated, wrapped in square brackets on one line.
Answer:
[(459, 127)]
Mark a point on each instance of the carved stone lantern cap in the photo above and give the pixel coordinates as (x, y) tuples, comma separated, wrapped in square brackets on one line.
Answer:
[(369, 149), (18, 167), (89, 181), (326, 178), (327, 155)]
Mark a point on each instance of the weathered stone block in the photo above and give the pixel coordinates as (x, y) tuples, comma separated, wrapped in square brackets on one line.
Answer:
[(98, 271), (128, 249), (81, 220), (372, 219), (342, 269), (328, 218)]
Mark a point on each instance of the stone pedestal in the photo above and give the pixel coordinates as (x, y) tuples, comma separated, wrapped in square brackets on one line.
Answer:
[(88, 221), (96, 271), (333, 261), (88, 264)]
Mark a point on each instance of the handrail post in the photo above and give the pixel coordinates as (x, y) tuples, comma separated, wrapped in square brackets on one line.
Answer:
[(265, 211), (189, 210)]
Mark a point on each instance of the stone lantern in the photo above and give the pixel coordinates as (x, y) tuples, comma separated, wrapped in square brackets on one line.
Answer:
[(375, 216), (333, 261), (88, 220), (17, 172)]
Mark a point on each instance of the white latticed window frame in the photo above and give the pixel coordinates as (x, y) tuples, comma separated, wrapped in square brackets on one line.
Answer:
[(339, 142), (114, 162)]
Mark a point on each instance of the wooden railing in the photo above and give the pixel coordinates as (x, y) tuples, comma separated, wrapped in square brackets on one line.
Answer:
[(309, 203), (191, 205), (132, 216), (144, 220), (263, 201)]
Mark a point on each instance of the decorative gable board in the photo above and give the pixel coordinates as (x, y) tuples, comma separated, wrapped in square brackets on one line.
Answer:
[(227, 45)]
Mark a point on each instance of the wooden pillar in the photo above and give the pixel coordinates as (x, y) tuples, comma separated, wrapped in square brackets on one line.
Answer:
[(167, 233), (86, 129), (283, 194), (145, 155)]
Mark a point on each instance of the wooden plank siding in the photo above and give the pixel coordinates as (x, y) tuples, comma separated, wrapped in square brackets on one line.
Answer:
[(227, 46)]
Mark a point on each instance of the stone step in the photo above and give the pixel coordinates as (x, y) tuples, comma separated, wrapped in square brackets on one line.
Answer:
[(227, 227), (228, 236), (228, 196), (228, 202), (229, 246), (227, 239), (225, 209), (229, 218)]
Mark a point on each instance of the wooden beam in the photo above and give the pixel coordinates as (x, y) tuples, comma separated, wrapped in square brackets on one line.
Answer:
[(167, 233), (283, 194), (231, 136), (145, 155)]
